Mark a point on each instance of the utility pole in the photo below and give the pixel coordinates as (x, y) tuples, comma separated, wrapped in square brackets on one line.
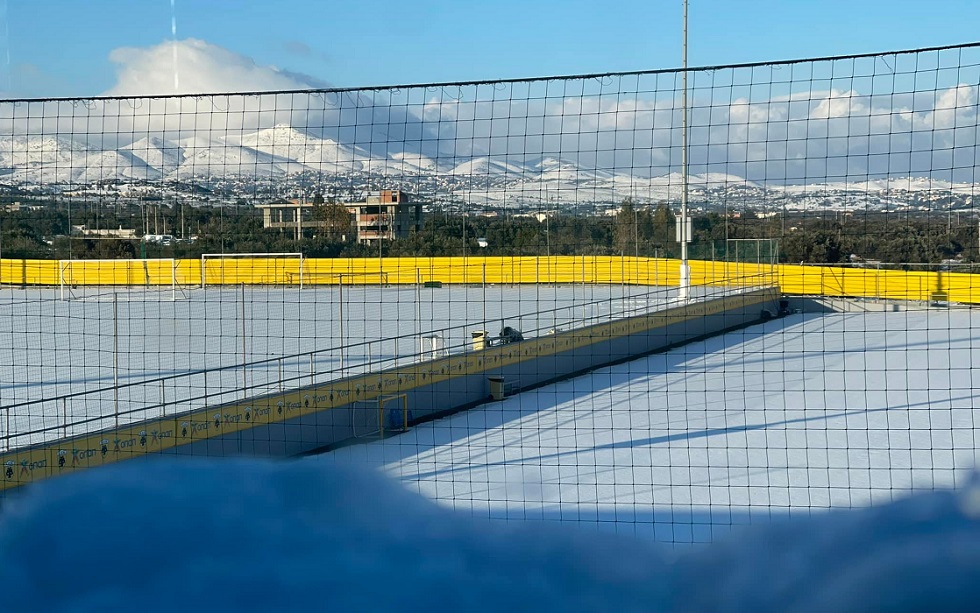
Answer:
[(685, 283)]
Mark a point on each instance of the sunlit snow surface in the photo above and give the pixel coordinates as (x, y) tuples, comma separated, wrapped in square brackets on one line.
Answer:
[(803, 413), (806, 412), (69, 366)]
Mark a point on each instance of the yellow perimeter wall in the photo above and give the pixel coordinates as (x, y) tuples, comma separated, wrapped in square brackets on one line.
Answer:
[(792, 279)]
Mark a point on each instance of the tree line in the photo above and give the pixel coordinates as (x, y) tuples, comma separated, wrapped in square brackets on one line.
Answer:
[(44, 232)]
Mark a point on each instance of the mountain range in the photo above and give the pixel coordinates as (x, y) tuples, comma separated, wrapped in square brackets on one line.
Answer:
[(283, 151)]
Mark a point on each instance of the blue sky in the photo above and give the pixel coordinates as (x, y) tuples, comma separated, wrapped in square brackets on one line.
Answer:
[(62, 47)]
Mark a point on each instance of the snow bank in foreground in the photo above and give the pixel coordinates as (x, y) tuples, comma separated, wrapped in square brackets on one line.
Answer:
[(279, 536)]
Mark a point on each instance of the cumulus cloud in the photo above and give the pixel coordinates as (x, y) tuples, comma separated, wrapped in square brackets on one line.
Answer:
[(747, 124), (157, 75), (199, 67), (805, 135)]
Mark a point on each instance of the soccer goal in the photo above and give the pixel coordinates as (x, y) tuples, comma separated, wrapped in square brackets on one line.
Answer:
[(755, 260), (252, 269), (87, 278), (347, 278), (752, 250), (386, 413)]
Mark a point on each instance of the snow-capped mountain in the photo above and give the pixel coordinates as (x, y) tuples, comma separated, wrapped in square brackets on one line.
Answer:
[(163, 156), (486, 166), (282, 152), (218, 158), (315, 153), (890, 184), (413, 163)]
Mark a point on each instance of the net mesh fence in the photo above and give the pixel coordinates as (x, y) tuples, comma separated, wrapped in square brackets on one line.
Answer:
[(477, 287)]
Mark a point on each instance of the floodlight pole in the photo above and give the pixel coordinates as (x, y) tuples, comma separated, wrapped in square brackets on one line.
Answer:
[(685, 281)]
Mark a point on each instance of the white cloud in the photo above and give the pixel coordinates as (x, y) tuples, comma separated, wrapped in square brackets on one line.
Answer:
[(787, 131), (839, 104), (955, 106), (199, 67)]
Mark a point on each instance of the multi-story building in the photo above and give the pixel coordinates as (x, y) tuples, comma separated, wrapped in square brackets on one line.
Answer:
[(385, 215), (291, 215)]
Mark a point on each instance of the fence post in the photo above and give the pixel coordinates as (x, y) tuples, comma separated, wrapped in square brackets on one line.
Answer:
[(340, 319), (115, 355), (878, 282), (418, 311), (244, 352)]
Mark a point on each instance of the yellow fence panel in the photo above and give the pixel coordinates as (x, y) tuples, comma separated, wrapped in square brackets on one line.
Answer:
[(794, 279)]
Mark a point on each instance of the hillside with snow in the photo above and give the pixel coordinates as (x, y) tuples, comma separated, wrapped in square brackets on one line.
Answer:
[(314, 153), (162, 156), (289, 154)]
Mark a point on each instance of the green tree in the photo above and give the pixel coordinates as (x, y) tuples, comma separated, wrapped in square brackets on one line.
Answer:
[(625, 238), (819, 246), (334, 220)]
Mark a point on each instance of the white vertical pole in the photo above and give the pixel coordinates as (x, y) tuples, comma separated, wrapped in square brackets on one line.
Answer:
[(115, 355), (685, 281), (244, 352), (341, 300), (877, 278), (622, 286), (418, 313)]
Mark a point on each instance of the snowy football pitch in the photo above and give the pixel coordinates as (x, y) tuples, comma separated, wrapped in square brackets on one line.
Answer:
[(797, 415), (101, 357)]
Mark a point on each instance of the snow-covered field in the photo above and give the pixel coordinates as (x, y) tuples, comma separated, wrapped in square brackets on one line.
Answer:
[(782, 419), (138, 353), (803, 413)]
